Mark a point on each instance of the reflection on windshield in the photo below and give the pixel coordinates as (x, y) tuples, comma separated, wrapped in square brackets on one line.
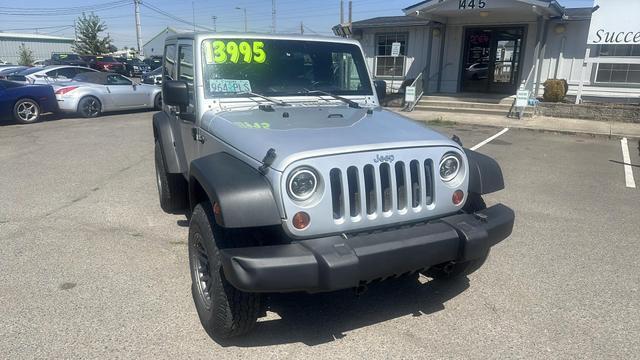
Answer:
[(282, 67)]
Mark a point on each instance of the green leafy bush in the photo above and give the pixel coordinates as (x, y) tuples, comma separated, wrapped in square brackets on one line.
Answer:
[(555, 90)]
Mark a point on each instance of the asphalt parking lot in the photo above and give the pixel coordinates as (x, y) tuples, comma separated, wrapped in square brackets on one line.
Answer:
[(90, 267)]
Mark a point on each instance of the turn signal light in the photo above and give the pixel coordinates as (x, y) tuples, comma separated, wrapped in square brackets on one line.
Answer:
[(65, 90), (457, 197), (301, 220)]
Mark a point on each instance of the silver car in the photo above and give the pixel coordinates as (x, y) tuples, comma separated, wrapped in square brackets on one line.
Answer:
[(49, 74), (92, 93)]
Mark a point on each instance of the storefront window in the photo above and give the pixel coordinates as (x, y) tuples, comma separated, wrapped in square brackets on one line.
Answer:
[(619, 73), (387, 65)]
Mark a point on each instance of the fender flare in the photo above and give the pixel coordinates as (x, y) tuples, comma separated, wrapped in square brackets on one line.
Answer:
[(485, 174), (244, 195), (163, 132)]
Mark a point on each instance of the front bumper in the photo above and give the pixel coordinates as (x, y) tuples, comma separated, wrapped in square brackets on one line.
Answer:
[(336, 262)]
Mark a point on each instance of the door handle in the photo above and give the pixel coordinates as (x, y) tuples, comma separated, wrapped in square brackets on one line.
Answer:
[(196, 136)]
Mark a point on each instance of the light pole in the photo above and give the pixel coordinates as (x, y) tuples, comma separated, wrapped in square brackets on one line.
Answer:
[(214, 18), (244, 10)]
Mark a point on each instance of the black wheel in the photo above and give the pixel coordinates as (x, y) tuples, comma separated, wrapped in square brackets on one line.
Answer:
[(157, 102), (172, 188), (89, 107), (224, 311), (26, 111)]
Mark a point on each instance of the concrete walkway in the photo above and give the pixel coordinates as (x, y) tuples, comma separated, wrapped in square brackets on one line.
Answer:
[(571, 126)]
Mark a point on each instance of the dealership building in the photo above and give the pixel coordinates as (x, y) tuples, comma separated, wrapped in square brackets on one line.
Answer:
[(500, 46), (40, 45)]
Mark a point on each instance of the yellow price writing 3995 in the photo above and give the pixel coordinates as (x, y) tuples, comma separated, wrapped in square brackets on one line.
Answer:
[(224, 52)]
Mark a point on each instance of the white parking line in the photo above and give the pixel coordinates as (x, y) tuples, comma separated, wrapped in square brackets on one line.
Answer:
[(626, 159), (489, 139)]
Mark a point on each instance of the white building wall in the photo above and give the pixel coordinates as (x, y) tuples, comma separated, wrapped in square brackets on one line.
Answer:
[(41, 49), (155, 47), (416, 51)]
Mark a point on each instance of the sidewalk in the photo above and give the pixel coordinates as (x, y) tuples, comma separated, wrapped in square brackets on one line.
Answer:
[(542, 123)]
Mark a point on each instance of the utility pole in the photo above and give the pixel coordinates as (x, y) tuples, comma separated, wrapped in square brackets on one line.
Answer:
[(244, 10), (350, 6), (273, 16), (138, 27), (301, 28), (214, 18), (341, 12), (193, 9)]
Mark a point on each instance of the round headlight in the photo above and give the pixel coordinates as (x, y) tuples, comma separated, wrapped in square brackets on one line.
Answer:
[(449, 167), (302, 184)]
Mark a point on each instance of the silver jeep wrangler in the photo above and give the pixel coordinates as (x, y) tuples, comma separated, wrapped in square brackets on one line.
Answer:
[(295, 179)]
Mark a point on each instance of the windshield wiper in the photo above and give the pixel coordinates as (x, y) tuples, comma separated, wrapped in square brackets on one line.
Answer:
[(351, 103), (277, 102)]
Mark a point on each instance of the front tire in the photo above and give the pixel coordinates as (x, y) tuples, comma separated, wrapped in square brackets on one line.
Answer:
[(224, 311), (89, 107), (172, 188), (26, 111)]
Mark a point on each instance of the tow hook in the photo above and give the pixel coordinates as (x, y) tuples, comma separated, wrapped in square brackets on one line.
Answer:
[(448, 267), (360, 289)]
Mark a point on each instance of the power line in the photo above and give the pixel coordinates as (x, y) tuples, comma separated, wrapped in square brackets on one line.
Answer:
[(162, 12)]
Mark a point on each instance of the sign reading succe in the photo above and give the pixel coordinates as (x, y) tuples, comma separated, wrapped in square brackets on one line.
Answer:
[(615, 22)]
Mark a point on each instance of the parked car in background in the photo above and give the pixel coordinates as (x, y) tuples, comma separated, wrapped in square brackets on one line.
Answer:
[(134, 66), (10, 70), (40, 63), (154, 62), (48, 74), (26, 103), (66, 59), (91, 94), (153, 78), (105, 63)]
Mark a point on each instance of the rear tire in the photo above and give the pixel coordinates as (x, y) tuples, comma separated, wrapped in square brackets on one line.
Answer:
[(157, 102), (224, 311), (172, 188), (26, 111), (89, 107)]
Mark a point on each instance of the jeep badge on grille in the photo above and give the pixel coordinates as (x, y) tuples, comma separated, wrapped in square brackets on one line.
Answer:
[(383, 158)]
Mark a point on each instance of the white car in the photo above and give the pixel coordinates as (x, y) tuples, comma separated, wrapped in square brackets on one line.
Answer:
[(92, 93), (49, 74)]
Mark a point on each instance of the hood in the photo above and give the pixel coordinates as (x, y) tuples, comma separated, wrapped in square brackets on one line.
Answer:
[(298, 132)]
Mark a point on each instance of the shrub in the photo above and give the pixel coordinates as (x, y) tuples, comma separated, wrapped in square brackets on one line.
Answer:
[(555, 90)]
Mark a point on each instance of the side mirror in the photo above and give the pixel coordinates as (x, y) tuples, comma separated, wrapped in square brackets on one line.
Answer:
[(175, 93)]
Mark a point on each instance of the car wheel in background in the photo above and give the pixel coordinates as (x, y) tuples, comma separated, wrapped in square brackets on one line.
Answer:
[(157, 102), (26, 111), (89, 107)]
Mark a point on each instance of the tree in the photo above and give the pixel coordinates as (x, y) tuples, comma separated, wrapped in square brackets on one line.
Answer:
[(89, 41), (112, 48), (25, 56)]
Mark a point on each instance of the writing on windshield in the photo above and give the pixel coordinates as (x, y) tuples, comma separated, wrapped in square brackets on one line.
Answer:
[(275, 67)]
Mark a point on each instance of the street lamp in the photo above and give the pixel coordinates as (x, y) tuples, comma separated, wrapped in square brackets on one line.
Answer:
[(244, 10)]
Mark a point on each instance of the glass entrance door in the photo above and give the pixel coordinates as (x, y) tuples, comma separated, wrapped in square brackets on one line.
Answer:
[(492, 60)]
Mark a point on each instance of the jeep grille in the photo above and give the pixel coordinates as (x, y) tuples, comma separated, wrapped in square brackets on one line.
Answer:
[(380, 188)]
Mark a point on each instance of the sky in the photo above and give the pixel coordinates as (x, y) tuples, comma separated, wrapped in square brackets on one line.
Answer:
[(317, 16)]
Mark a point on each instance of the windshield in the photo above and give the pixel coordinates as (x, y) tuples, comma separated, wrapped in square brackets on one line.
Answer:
[(282, 67), (65, 57), (105, 59), (29, 71)]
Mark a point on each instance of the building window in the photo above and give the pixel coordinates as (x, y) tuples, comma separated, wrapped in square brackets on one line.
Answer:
[(387, 65), (619, 73)]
